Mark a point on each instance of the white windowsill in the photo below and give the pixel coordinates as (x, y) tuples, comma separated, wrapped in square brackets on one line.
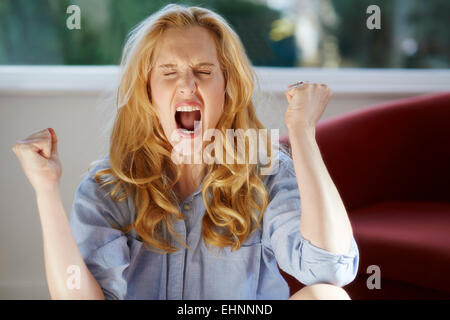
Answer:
[(96, 79)]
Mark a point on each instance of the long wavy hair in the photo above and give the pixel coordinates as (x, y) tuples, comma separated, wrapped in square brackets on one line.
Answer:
[(234, 195)]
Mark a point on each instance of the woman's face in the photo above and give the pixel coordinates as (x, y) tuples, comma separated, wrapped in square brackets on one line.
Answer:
[(187, 85)]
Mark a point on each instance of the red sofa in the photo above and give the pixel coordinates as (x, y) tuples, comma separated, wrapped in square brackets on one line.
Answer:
[(391, 165)]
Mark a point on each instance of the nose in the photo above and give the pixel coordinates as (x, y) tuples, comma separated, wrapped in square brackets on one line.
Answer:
[(187, 84)]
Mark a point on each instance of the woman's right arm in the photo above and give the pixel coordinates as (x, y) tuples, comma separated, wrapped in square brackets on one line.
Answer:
[(63, 260), (67, 274)]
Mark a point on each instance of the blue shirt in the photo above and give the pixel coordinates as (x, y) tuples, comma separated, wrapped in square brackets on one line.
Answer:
[(125, 269)]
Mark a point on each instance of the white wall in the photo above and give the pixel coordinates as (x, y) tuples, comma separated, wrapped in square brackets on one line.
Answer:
[(76, 122), (33, 100)]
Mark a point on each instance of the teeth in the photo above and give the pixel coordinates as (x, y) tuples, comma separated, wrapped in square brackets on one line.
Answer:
[(188, 108)]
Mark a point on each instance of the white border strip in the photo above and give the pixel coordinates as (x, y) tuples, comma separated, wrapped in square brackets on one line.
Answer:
[(96, 79), (359, 81), (57, 79)]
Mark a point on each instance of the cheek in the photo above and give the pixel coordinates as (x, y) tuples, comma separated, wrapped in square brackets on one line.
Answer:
[(217, 100), (161, 102), (161, 99), (158, 93)]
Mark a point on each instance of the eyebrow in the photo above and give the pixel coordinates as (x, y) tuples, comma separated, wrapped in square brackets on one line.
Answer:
[(202, 64)]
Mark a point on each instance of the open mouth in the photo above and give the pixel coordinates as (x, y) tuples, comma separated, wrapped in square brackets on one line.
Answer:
[(186, 118)]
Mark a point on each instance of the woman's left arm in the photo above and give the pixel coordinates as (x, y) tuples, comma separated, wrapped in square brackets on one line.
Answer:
[(324, 220)]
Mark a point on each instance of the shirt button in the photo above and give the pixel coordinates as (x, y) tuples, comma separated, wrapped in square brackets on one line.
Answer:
[(187, 206)]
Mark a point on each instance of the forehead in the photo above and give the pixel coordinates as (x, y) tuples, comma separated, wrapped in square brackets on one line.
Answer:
[(188, 45)]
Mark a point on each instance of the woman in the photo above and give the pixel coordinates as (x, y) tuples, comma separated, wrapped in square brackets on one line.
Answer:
[(147, 226)]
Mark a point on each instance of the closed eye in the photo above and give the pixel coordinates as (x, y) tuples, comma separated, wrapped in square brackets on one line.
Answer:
[(201, 72)]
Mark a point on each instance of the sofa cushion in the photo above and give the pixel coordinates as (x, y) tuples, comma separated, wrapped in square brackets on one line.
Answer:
[(409, 241)]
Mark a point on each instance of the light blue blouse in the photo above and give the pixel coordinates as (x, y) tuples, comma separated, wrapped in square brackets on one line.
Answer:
[(125, 269)]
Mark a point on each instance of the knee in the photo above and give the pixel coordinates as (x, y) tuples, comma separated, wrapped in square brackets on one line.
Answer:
[(321, 291)]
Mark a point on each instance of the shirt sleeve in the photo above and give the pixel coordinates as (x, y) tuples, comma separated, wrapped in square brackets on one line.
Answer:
[(294, 254), (103, 248)]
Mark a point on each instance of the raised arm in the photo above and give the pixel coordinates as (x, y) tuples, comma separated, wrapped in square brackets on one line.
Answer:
[(64, 265), (324, 221)]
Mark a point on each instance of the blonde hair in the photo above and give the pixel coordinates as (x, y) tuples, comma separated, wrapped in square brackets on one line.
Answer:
[(234, 195)]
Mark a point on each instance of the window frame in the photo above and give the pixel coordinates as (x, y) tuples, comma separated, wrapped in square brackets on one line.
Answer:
[(355, 81)]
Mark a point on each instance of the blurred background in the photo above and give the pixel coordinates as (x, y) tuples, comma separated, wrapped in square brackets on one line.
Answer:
[(286, 33), (51, 76)]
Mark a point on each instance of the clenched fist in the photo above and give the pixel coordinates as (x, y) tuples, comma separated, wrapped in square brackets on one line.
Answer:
[(307, 102), (38, 155)]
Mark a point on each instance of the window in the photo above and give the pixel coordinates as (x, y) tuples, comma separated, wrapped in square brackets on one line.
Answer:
[(283, 33)]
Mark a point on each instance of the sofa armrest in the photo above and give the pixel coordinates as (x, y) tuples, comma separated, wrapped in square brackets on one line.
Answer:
[(398, 150)]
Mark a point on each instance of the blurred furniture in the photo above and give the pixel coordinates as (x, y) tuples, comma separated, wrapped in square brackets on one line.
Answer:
[(391, 165)]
